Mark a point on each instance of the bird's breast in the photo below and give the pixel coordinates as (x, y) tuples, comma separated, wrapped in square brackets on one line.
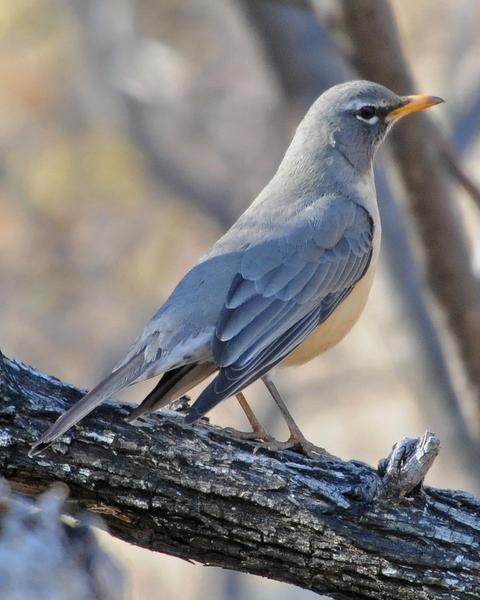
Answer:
[(336, 327)]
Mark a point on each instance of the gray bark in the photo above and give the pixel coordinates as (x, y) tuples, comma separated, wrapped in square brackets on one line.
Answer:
[(334, 527)]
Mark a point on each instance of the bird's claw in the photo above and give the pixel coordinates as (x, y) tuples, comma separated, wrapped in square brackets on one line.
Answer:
[(258, 435), (293, 443)]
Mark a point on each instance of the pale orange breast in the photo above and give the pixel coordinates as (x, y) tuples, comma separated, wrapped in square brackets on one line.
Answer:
[(336, 327)]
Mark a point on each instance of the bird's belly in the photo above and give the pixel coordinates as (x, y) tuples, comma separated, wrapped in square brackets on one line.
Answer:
[(336, 327)]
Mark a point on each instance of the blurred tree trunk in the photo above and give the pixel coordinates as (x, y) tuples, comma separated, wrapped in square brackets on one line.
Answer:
[(375, 50)]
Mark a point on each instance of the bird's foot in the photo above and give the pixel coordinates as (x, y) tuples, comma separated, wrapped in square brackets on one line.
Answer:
[(295, 442), (258, 435)]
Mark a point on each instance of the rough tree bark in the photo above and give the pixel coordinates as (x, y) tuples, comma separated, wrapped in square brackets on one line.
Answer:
[(339, 528)]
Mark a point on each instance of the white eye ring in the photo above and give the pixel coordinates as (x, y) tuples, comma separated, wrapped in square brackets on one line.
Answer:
[(371, 121)]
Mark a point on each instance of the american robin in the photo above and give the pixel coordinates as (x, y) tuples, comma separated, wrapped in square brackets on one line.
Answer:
[(286, 282)]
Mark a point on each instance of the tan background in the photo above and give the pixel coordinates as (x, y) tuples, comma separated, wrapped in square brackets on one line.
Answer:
[(96, 227)]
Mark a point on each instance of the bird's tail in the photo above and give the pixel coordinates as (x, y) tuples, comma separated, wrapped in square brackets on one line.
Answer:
[(103, 391), (172, 385)]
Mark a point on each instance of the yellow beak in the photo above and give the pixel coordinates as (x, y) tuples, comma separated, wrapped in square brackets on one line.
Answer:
[(413, 104)]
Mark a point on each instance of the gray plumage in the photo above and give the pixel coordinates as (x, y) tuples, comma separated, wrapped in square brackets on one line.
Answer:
[(280, 270)]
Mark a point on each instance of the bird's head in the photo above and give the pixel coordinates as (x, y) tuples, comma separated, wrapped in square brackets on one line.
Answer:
[(355, 116)]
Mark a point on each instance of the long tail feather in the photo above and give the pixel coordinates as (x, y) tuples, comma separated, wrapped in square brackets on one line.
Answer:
[(103, 391), (171, 386)]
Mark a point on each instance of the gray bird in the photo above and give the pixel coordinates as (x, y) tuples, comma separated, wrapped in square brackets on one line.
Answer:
[(286, 282)]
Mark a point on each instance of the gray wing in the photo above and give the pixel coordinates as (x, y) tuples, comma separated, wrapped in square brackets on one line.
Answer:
[(283, 291)]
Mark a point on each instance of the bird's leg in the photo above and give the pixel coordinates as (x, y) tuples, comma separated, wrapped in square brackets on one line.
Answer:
[(258, 432), (296, 440)]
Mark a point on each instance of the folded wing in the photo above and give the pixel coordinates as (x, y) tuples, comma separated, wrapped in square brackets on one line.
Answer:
[(285, 288)]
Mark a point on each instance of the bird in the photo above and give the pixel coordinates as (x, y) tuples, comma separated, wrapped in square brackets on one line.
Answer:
[(285, 283)]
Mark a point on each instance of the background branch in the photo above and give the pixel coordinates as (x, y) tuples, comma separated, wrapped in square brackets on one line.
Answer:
[(417, 154), (330, 526)]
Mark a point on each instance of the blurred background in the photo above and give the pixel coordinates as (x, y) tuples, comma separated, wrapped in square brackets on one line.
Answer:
[(133, 132)]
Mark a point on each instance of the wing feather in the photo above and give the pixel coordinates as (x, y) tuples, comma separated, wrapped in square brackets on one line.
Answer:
[(284, 290)]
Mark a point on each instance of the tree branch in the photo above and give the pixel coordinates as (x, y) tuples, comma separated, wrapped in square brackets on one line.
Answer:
[(334, 527), (453, 163)]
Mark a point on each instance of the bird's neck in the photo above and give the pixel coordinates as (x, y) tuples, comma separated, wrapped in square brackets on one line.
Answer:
[(311, 165)]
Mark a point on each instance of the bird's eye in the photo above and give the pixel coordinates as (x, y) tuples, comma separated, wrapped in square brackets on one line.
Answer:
[(368, 114)]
